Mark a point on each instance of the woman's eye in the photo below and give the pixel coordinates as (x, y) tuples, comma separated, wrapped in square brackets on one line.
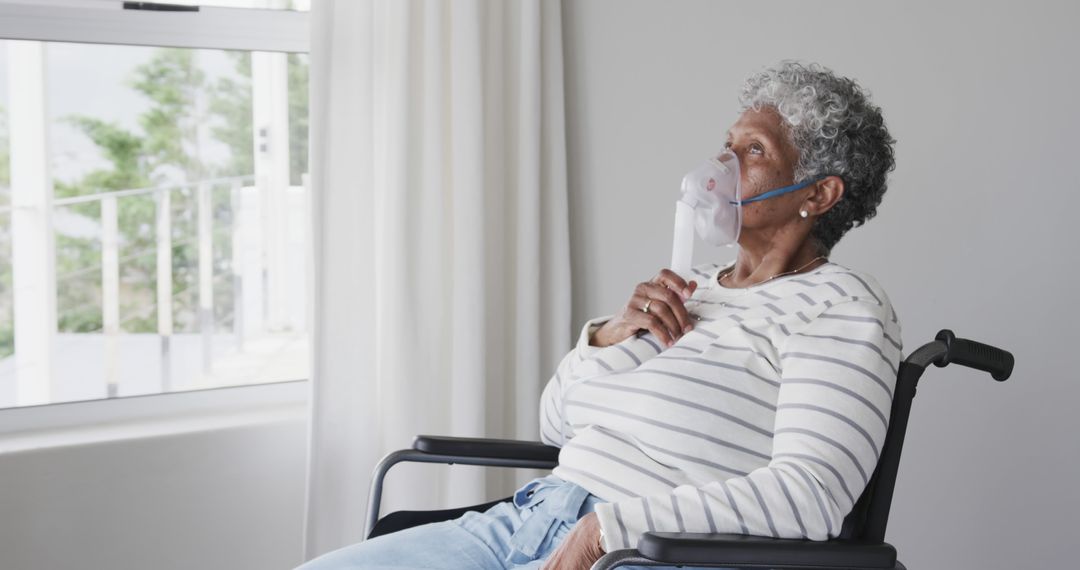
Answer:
[(756, 148)]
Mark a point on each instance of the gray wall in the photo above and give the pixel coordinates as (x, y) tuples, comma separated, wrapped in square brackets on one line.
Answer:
[(976, 233), (215, 499)]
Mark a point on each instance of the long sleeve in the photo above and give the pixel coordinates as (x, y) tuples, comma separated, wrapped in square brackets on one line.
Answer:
[(836, 384), (587, 361)]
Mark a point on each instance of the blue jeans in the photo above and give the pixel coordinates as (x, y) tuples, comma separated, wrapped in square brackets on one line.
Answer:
[(517, 534)]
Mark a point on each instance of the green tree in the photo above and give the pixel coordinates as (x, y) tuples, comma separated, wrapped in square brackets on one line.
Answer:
[(298, 117), (174, 85), (78, 259), (167, 150), (173, 82), (124, 151), (230, 103)]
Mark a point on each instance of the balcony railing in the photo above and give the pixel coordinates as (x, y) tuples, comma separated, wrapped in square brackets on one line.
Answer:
[(261, 337)]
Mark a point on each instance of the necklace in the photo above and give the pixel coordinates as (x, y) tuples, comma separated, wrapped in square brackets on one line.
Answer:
[(721, 277), (728, 302)]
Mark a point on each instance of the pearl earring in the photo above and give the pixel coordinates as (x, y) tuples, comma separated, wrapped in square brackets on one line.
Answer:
[(804, 213)]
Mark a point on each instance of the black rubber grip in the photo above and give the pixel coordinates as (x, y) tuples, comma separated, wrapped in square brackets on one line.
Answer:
[(973, 354), (159, 7), (763, 552), (481, 447)]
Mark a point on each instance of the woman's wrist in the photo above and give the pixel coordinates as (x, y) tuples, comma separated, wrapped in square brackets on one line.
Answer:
[(598, 336)]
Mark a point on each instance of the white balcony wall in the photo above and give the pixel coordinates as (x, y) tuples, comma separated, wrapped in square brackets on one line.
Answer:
[(297, 199), (34, 274), (270, 122)]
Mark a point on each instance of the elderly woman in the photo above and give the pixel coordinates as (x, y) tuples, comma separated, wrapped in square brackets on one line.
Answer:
[(752, 399)]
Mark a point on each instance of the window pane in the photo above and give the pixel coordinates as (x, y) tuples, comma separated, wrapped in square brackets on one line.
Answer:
[(178, 211)]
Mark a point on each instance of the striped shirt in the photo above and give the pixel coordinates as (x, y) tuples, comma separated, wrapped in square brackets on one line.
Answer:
[(767, 419)]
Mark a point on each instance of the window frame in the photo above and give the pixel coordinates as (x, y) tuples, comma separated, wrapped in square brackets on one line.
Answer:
[(99, 421), (98, 22), (107, 22)]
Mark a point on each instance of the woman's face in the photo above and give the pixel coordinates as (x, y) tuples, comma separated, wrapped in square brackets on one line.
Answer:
[(767, 160)]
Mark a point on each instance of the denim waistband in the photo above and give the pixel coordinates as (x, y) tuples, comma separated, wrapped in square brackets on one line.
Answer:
[(546, 502)]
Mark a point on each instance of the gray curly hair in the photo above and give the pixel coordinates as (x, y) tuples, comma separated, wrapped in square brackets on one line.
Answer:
[(837, 131)]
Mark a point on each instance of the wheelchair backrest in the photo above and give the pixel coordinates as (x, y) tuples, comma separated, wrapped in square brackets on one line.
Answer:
[(870, 515)]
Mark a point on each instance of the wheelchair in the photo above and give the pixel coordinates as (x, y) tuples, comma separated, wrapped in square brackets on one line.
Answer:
[(860, 544)]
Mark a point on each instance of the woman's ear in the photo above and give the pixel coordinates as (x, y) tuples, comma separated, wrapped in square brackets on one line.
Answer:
[(827, 192)]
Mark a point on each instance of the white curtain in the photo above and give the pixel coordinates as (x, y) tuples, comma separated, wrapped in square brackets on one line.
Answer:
[(441, 260)]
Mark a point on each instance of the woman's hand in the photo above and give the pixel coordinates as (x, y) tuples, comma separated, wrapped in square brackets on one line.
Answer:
[(580, 549), (666, 316)]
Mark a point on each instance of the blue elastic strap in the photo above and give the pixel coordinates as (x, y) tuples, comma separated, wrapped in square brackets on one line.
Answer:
[(777, 192)]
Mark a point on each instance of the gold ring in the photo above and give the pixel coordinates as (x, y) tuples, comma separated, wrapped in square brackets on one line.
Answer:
[(645, 309)]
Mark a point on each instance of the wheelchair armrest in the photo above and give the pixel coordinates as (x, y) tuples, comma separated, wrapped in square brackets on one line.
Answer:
[(464, 451), (481, 447), (752, 551)]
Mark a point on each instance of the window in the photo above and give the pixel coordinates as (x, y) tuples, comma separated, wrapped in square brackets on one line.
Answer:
[(153, 206)]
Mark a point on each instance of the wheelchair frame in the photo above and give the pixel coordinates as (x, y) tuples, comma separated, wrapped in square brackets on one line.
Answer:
[(859, 546)]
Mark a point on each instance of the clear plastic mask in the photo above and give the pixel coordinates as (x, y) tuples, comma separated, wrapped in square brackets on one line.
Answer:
[(709, 207)]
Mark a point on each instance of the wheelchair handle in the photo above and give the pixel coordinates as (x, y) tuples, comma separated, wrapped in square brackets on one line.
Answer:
[(973, 354)]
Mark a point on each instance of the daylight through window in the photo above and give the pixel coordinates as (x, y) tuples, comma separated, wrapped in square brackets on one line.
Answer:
[(153, 212)]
